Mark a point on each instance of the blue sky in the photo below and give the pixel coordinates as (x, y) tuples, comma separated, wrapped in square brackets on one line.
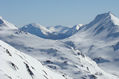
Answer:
[(55, 12)]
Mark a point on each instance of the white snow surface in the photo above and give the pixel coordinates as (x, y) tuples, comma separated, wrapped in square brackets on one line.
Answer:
[(78, 26), (114, 19), (17, 65), (5, 25), (98, 40), (52, 32), (45, 30), (57, 55)]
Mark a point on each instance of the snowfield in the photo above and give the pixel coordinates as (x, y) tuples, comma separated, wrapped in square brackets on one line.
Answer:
[(16, 65), (100, 41), (82, 52)]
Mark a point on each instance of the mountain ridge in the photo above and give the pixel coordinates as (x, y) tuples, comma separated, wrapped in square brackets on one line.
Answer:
[(64, 55), (103, 26), (53, 32), (99, 41), (17, 65)]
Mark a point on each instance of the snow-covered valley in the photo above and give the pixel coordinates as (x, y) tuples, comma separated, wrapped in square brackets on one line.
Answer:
[(82, 52)]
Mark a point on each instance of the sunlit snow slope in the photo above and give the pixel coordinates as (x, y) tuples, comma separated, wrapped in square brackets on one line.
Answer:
[(100, 40), (6, 25), (16, 65)]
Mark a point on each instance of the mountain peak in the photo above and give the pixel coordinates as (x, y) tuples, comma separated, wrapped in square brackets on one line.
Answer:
[(114, 19), (105, 18), (103, 25)]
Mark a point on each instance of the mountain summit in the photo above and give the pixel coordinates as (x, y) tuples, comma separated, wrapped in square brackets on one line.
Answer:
[(114, 19), (108, 16), (103, 26)]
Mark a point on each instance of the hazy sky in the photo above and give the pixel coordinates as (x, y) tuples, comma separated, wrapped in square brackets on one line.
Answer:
[(55, 12)]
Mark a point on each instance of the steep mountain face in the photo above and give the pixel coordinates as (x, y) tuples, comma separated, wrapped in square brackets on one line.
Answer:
[(103, 26), (5, 25), (99, 40), (53, 32), (16, 65)]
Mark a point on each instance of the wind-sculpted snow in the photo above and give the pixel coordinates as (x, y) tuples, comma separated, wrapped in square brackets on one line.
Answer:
[(16, 65)]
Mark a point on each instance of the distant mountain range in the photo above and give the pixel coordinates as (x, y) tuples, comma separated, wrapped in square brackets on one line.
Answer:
[(55, 32), (82, 52)]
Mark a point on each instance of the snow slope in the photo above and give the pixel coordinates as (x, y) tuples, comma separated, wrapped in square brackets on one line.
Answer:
[(104, 26), (60, 56), (6, 25), (64, 55), (56, 32), (99, 40), (52, 32), (16, 65)]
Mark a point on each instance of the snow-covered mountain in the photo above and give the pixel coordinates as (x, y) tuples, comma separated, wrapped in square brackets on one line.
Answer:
[(16, 65), (67, 56), (52, 32), (99, 40), (36, 29), (104, 26), (60, 56), (4, 25)]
